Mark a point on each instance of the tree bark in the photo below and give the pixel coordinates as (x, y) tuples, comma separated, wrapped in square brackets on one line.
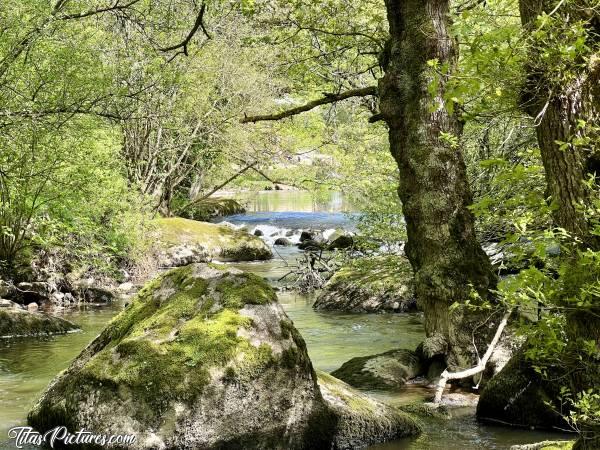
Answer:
[(558, 108), (442, 246)]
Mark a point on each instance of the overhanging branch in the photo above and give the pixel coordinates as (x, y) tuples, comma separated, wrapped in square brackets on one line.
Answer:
[(327, 99), (199, 24), (92, 12)]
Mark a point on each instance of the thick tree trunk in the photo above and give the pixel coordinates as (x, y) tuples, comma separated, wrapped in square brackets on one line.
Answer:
[(442, 246), (558, 108)]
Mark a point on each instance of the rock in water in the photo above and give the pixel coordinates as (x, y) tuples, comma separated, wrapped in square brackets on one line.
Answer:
[(378, 284), (519, 396), (17, 322), (182, 242), (204, 357), (284, 242), (361, 420), (341, 242), (389, 370)]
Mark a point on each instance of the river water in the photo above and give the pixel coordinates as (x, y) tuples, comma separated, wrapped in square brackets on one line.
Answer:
[(28, 365)]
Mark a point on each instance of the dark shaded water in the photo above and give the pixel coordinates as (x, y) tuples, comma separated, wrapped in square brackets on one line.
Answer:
[(28, 365)]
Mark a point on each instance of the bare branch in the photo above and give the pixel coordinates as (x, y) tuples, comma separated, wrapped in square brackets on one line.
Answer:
[(327, 99), (199, 24)]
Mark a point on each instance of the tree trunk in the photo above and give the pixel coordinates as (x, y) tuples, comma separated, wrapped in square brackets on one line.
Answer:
[(558, 108), (442, 246)]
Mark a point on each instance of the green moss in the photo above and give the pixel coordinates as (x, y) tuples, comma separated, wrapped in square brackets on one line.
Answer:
[(379, 272), (391, 371), (213, 207), (373, 284), (360, 417), (220, 241), (245, 289), (176, 322), (287, 328)]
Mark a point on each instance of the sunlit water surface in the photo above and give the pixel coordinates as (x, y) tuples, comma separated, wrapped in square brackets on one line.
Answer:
[(28, 365)]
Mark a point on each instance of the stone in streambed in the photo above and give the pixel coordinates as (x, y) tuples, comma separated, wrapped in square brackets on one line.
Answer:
[(183, 241), (210, 208), (341, 242), (283, 242), (17, 322), (310, 245), (204, 357), (377, 284), (389, 370), (519, 396), (360, 420)]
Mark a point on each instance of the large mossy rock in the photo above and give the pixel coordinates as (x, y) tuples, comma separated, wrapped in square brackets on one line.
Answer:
[(17, 322), (204, 357), (518, 396), (377, 284), (210, 208), (360, 420), (183, 241), (389, 370)]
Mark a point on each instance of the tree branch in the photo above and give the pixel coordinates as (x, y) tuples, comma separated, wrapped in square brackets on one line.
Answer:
[(216, 188), (115, 7), (199, 24), (328, 98), (480, 367)]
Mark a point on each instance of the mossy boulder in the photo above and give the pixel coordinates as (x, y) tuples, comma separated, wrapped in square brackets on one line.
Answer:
[(376, 284), (17, 322), (360, 420), (209, 208), (389, 370), (183, 241), (204, 357), (518, 396)]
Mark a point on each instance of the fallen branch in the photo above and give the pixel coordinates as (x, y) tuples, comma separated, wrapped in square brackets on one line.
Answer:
[(540, 445), (327, 99), (480, 367)]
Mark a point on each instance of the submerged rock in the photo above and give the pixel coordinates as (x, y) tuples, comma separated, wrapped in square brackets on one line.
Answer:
[(375, 284), (184, 241), (360, 420), (204, 357), (17, 322), (389, 370)]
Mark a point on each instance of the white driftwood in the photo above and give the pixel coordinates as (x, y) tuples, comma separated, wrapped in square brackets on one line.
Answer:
[(539, 445), (480, 367)]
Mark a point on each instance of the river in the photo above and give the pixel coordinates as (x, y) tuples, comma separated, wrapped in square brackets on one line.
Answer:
[(27, 365)]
